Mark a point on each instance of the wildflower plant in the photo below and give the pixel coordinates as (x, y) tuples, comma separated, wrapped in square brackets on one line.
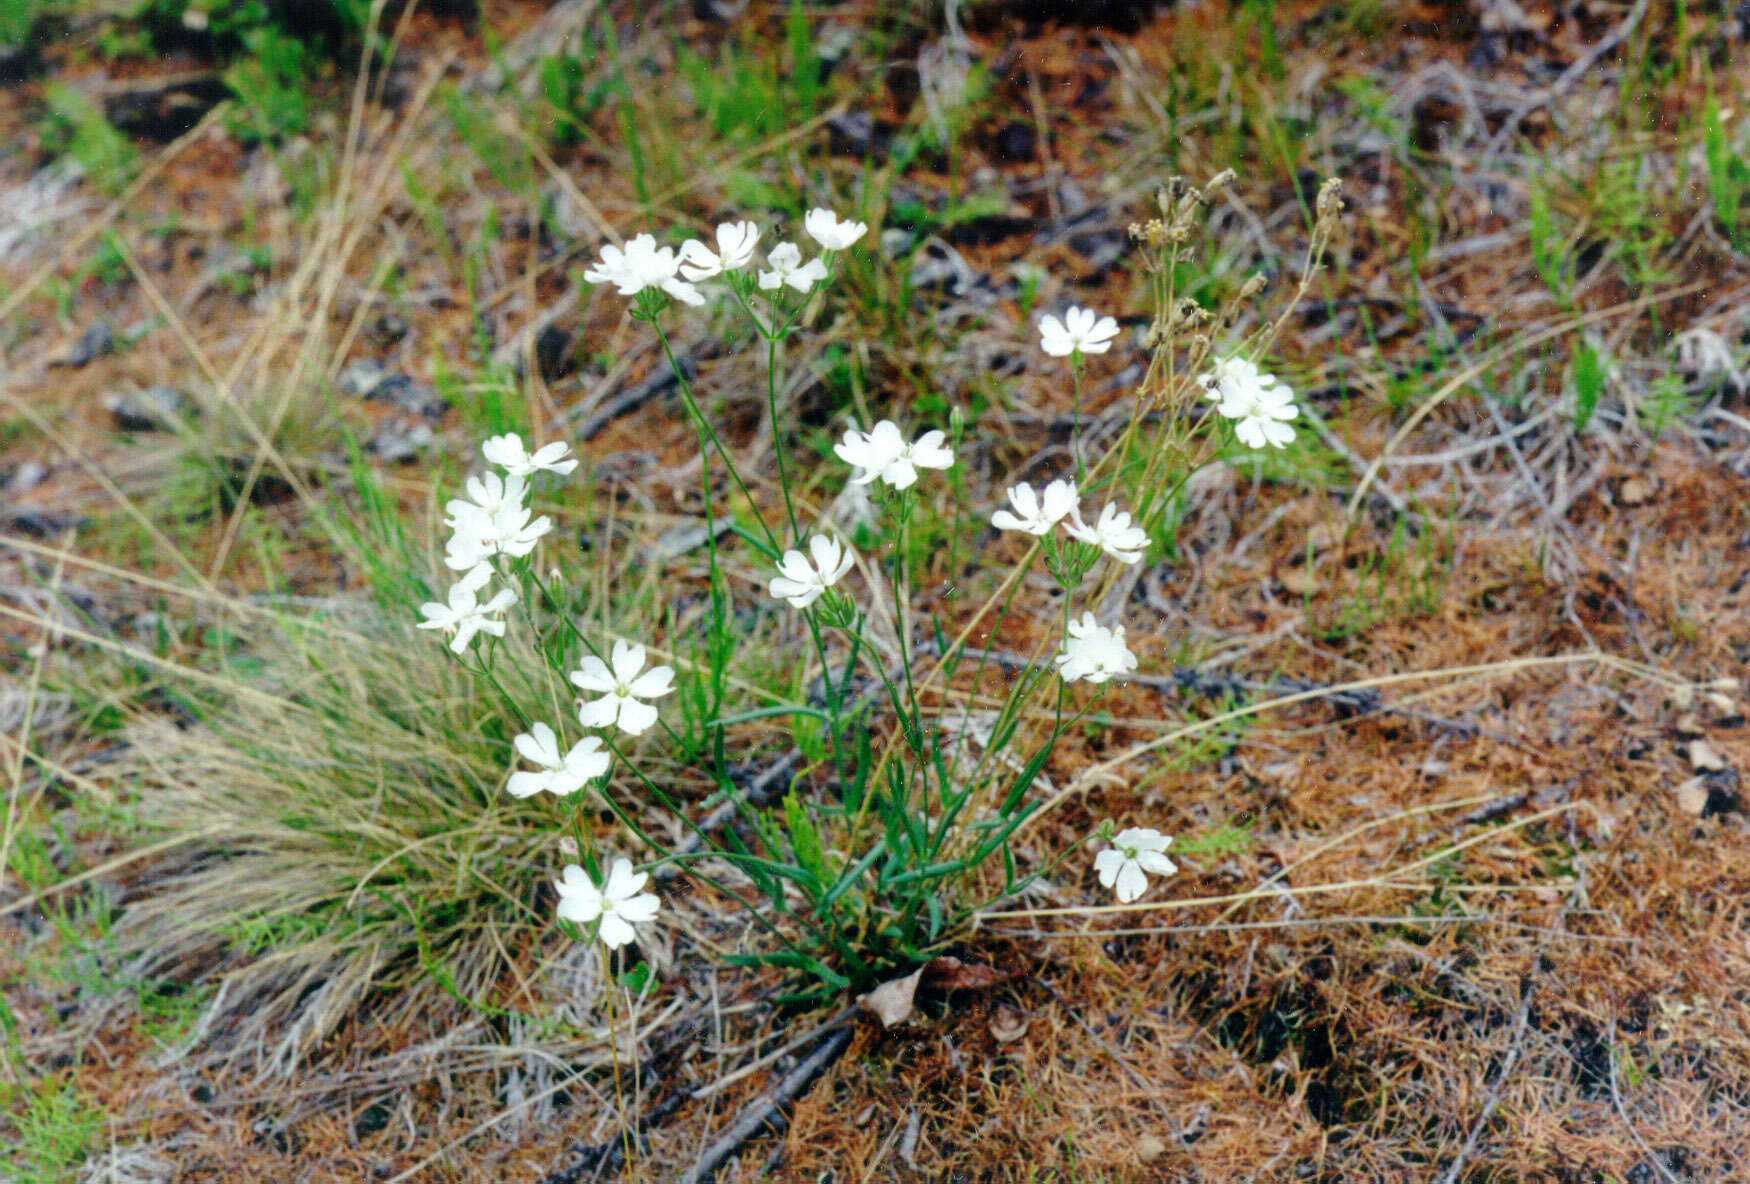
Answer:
[(900, 820)]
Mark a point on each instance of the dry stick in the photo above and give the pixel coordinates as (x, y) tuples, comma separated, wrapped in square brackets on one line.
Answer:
[(1458, 381), (754, 1066), (768, 1109), (372, 197), (1094, 772), (1652, 1156), (121, 499), (1526, 993), (115, 209), (1386, 881), (1567, 78)]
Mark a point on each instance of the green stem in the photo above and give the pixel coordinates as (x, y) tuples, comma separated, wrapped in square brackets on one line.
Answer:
[(708, 433), (777, 433)]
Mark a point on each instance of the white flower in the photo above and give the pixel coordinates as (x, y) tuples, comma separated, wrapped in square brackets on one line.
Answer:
[(560, 774), (618, 904), (491, 521), (1113, 534), (1093, 652), (468, 548), (787, 267), (487, 494), (801, 582), (642, 264), (622, 689), (478, 535), (1257, 401), (1034, 513), (1081, 329), (464, 615), (883, 452), (508, 453), (824, 227), (735, 241), (1133, 854)]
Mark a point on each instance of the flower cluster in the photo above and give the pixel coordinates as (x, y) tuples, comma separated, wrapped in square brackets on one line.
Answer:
[(883, 453), (1259, 405), (1033, 512), (494, 532), (494, 520), (641, 265), (1094, 652), (464, 615)]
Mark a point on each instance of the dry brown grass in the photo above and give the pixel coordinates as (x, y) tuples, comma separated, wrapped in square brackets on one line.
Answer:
[(1535, 964)]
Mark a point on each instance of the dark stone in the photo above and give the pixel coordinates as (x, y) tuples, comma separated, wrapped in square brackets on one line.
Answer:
[(152, 410), (856, 133), (398, 441), (1121, 16), (164, 109), (389, 328), (37, 524), (374, 1118), (1101, 248), (993, 228), (1015, 142), (938, 265), (554, 355), (97, 340), (1722, 794), (368, 378), (412, 396), (17, 62)]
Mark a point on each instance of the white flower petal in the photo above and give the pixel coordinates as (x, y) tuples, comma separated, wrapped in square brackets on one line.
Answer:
[(599, 713), (615, 932), (653, 683), (592, 674), (1131, 883), (636, 718)]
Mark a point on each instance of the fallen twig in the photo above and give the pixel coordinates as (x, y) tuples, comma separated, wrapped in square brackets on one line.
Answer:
[(768, 1109)]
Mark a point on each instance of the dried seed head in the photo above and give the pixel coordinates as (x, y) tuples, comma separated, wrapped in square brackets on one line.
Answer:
[(1330, 202), (1169, 195), (1152, 233), (1219, 182), (1189, 314), (1254, 284)]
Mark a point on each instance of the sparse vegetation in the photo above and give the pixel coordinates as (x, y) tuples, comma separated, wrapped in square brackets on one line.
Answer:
[(1443, 701)]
